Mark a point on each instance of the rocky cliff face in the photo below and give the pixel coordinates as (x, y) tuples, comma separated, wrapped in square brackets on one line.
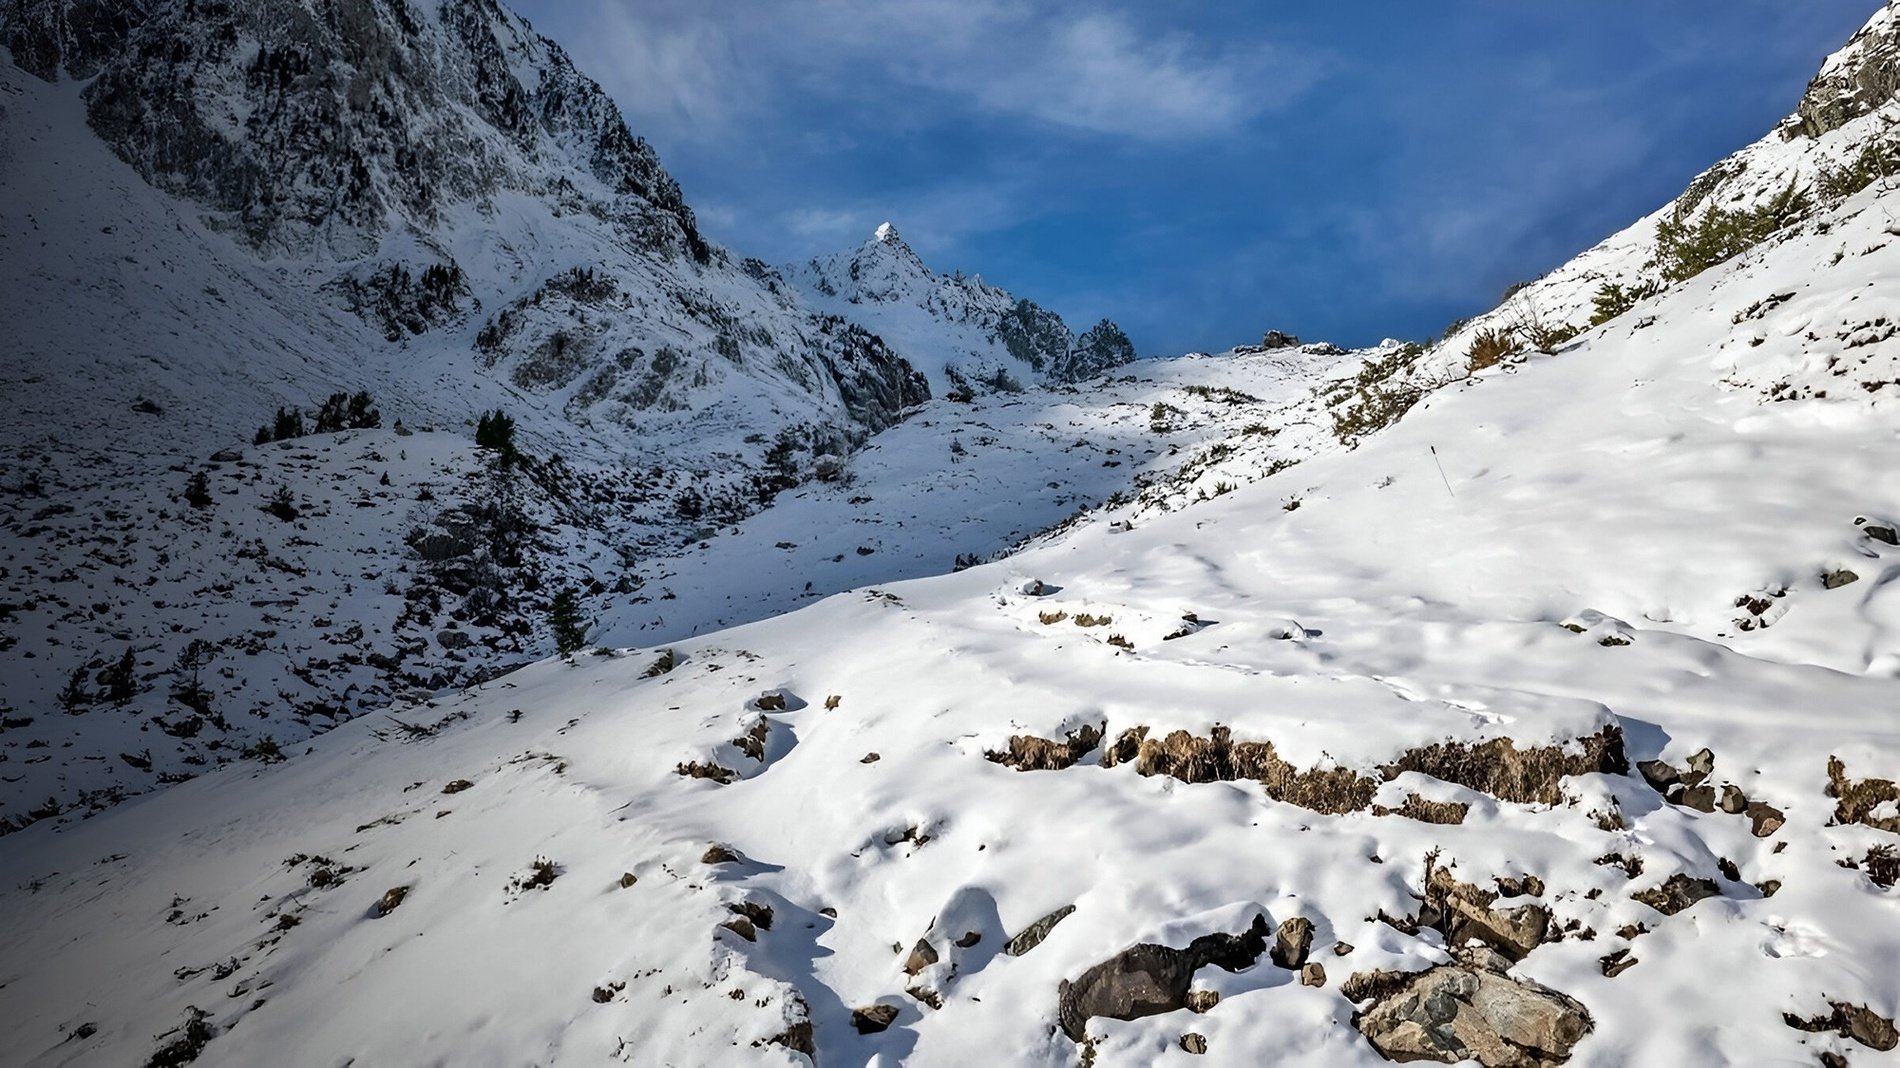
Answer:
[(1857, 80), (445, 173), (295, 124)]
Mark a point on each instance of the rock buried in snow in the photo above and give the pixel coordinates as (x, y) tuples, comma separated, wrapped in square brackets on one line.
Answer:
[(1880, 532), (1835, 579), (922, 956), (1029, 753), (1678, 893), (1150, 979), (1764, 819), (1030, 937), (873, 1019), (1857, 1022), (1453, 1013)]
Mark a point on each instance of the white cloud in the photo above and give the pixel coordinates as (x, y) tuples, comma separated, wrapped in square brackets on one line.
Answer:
[(700, 68)]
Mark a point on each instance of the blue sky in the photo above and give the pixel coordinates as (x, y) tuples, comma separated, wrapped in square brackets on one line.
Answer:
[(1201, 171)]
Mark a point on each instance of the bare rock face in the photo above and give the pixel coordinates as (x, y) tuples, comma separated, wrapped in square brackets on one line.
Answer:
[(1454, 1013), (1860, 78), (1150, 979)]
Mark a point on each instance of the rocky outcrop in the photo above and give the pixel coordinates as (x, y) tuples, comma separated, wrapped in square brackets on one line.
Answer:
[(1856, 81), (49, 38), (1459, 1012)]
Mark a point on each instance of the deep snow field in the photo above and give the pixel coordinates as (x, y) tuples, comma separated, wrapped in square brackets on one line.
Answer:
[(1636, 486)]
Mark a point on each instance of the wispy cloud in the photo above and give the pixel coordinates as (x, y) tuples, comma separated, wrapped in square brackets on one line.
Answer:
[(696, 68)]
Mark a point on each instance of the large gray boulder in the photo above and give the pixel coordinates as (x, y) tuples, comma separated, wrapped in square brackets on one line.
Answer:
[(1456, 1013)]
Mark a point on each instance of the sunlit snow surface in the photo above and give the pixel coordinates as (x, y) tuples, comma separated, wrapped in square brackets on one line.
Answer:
[(1641, 484)]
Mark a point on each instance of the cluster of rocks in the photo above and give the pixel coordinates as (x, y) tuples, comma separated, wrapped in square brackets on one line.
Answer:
[(1692, 787)]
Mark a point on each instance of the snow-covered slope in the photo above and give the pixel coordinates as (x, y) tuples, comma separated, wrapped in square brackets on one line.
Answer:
[(966, 335), (1547, 725)]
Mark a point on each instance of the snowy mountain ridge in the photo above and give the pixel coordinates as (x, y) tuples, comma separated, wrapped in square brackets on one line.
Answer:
[(217, 213)]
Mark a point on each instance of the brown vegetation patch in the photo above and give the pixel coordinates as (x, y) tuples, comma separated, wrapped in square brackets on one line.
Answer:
[(1854, 801), (1499, 768), (1418, 808), (1857, 1022), (1027, 752)]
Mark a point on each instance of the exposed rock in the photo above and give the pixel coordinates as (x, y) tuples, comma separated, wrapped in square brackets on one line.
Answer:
[(1194, 1043), (1886, 535), (1617, 963), (1313, 974), (1292, 942), (769, 702), (1276, 339), (391, 900), (1528, 776), (742, 927), (925, 996), (968, 939), (1701, 766), (1202, 1000), (873, 1019), (1857, 1022), (1218, 758), (759, 915), (1700, 798), (1029, 753), (703, 770), (1659, 774), (1520, 886), (1463, 913), (1865, 75), (1030, 937), (1764, 819), (1677, 893), (1149, 979), (922, 955), (1448, 813), (226, 456), (1855, 801), (1733, 801), (1340, 949), (798, 1037), (718, 854), (1453, 1013), (1830, 580)]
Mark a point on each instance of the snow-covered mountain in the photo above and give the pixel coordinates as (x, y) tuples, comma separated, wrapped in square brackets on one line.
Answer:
[(966, 335), (216, 213), (1518, 700)]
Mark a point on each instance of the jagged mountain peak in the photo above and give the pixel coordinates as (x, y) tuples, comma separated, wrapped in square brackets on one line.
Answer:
[(966, 335)]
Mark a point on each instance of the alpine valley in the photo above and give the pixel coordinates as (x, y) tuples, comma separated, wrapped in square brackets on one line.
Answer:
[(452, 612)]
